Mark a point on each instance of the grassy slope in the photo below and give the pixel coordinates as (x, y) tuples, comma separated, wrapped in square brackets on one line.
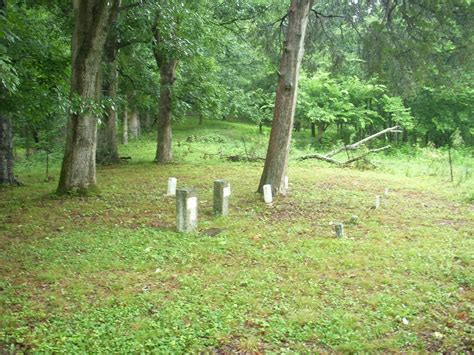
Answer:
[(108, 273)]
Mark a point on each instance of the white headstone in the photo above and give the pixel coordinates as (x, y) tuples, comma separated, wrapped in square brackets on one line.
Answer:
[(286, 182), (172, 183), (192, 210), (221, 197), (377, 202), (267, 193), (386, 192), (227, 191), (186, 210)]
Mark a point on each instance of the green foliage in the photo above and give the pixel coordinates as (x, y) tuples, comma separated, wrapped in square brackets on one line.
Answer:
[(327, 100)]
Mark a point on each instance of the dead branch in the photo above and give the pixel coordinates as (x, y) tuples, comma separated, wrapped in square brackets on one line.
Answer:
[(363, 141), (237, 158), (365, 154), (328, 157), (320, 157)]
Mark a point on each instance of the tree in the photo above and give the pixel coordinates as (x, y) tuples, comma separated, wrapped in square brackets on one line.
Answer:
[(92, 20), (9, 81), (276, 161), (107, 152), (167, 63)]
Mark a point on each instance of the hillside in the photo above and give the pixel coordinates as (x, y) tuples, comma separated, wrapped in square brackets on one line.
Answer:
[(108, 272)]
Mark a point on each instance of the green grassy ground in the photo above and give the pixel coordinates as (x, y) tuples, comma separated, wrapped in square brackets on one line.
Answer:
[(108, 273)]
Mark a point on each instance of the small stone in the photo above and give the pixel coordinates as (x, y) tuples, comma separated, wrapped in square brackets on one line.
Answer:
[(354, 219), (438, 335), (405, 321), (212, 232), (339, 229)]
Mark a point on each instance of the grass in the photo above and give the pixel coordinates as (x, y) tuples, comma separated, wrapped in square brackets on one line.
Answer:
[(109, 274)]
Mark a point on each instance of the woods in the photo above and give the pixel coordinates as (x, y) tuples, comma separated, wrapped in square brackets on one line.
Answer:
[(236, 176), (167, 59)]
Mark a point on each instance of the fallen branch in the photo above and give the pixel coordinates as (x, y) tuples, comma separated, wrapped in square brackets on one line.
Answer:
[(328, 157), (320, 157), (363, 141), (365, 154), (236, 158)]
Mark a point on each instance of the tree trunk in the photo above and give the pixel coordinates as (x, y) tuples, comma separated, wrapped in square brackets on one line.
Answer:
[(321, 130), (146, 124), (276, 161), (6, 152), (134, 125), (125, 127), (6, 137), (313, 130), (167, 67), (107, 152), (164, 153), (92, 20)]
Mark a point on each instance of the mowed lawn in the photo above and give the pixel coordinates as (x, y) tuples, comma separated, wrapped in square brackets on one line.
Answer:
[(108, 273)]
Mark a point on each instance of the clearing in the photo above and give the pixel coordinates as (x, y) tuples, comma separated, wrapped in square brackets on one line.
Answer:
[(108, 273)]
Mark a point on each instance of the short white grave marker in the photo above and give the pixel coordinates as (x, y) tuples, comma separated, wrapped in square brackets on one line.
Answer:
[(186, 210), (172, 183), (377, 202), (221, 197), (267, 193)]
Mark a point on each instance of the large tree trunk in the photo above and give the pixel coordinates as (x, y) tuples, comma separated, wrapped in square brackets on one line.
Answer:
[(6, 137), (92, 20), (276, 161), (6, 152), (164, 152), (107, 152), (167, 65)]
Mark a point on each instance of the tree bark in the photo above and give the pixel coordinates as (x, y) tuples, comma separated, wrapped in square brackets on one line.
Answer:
[(321, 129), (276, 161), (134, 125), (146, 124), (92, 20), (313, 130), (107, 152), (125, 127), (167, 65), (6, 153), (7, 176)]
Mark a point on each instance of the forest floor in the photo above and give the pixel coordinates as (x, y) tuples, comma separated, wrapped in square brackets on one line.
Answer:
[(108, 273)]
